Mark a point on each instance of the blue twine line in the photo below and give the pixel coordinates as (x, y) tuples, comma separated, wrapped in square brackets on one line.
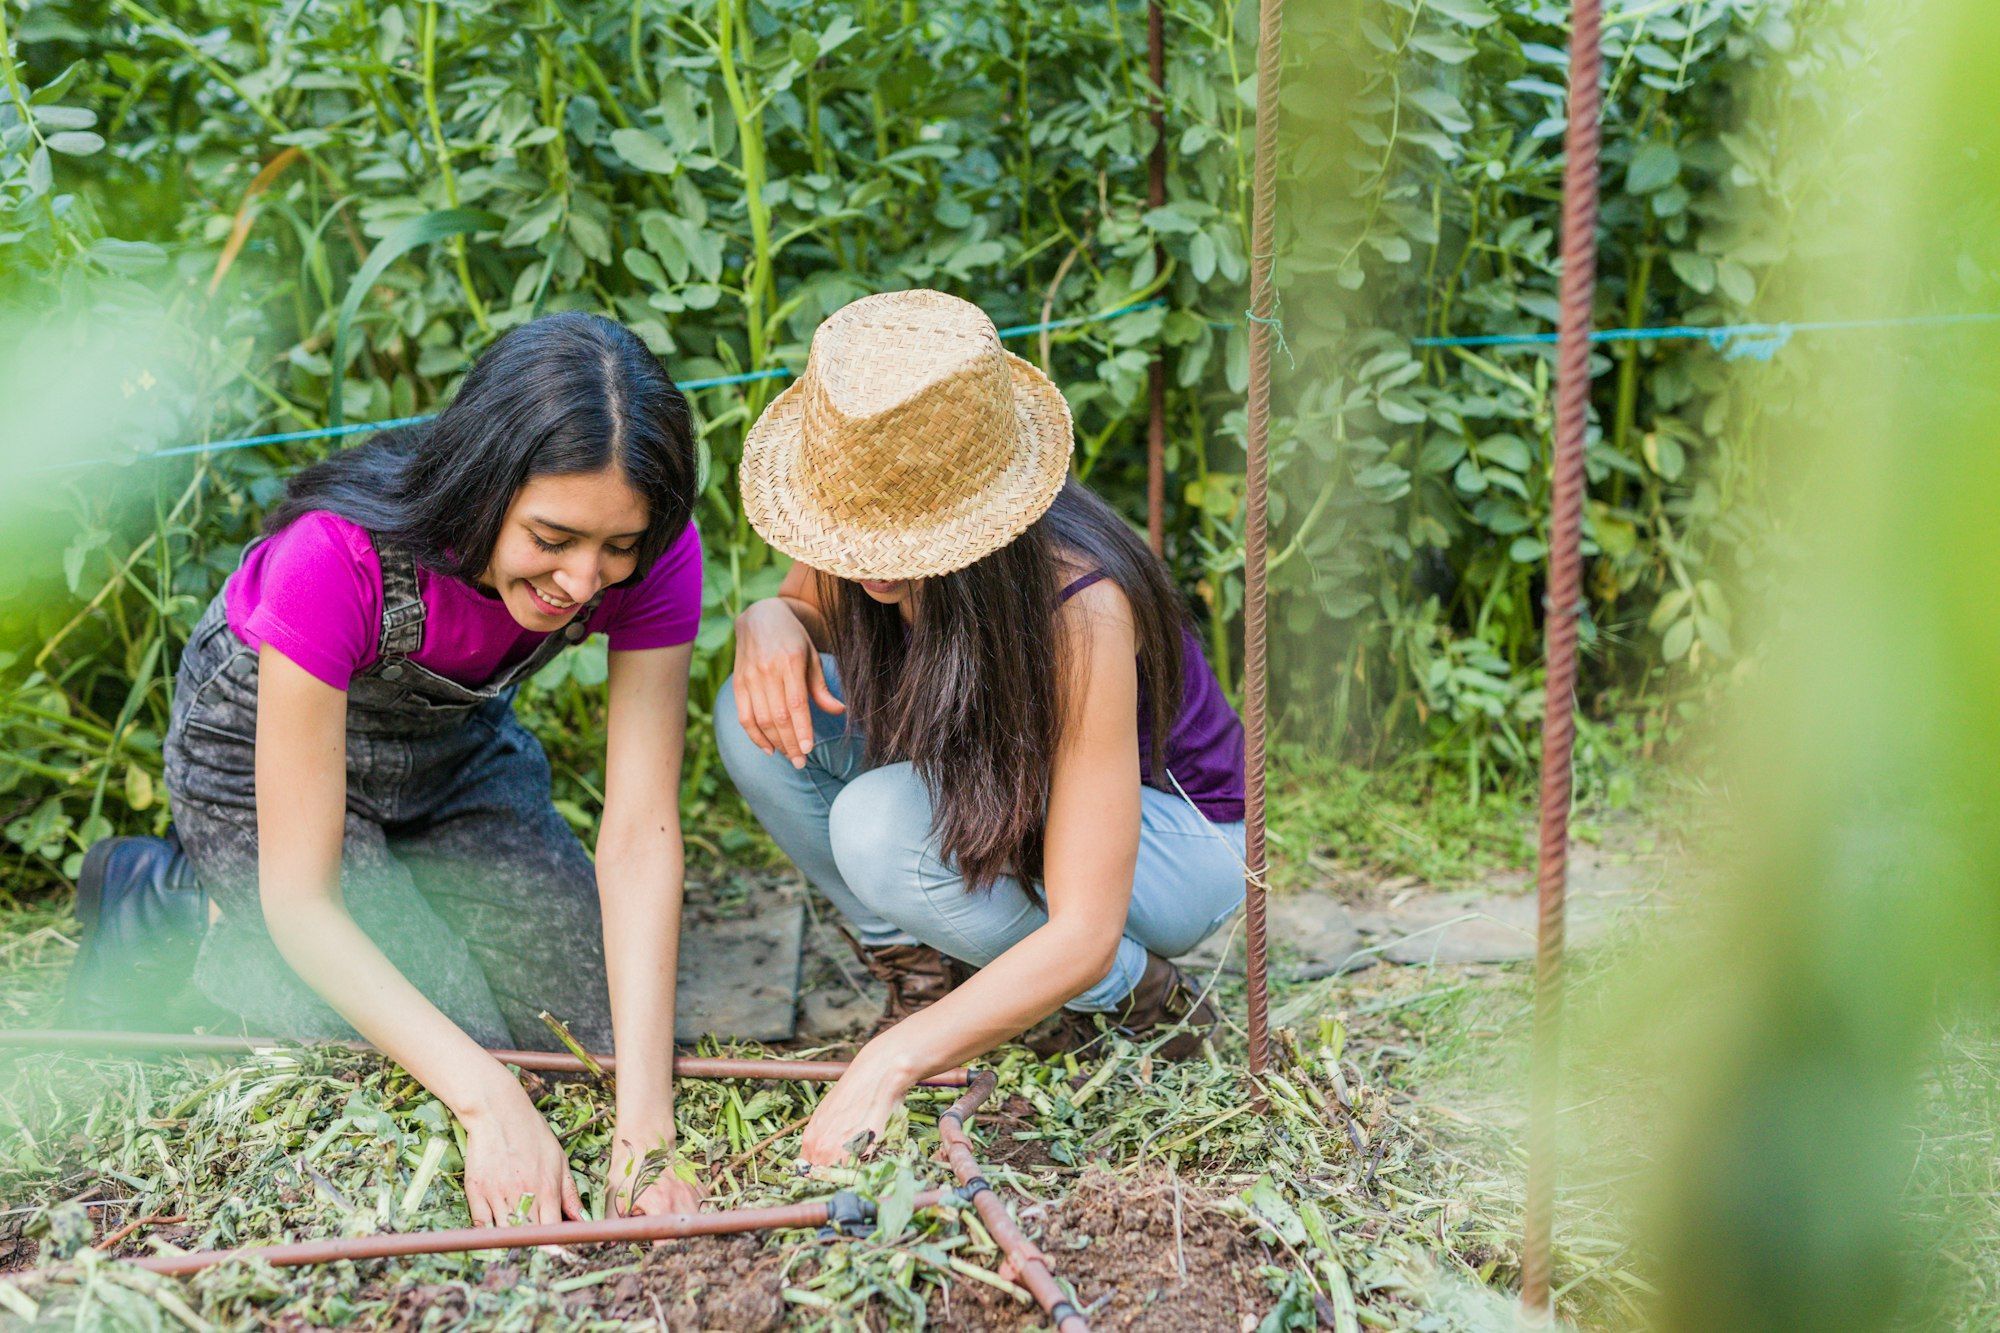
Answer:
[(1759, 342), (687, 386)]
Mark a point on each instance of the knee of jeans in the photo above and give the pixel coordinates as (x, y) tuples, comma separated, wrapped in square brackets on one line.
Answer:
[(880, 826), (740, 755)]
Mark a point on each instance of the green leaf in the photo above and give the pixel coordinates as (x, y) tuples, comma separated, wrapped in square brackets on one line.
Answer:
[(64, 117), (838, 33), (1509, 451), (897, 1205), (1735, 281), (40, 174), (416, 232), (1664, 455), (1270, 1207), (642, 150), (1679, 639), (644, 267), (1448, 47), (1696, 270), (76, 143), (1472, 13), (1653, 167), (1443, 108), (1202, 256), (1171, 219)]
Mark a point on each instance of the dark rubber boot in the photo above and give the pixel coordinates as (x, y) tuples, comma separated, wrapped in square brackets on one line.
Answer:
[(144, 914)]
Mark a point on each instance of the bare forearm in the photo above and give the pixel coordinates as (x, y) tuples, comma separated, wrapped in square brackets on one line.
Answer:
[(1016, 990), (640, 882), (344, 966), (813, 620)]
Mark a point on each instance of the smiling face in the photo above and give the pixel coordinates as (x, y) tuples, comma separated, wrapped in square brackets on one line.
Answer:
[(889, 592), (564, 539)]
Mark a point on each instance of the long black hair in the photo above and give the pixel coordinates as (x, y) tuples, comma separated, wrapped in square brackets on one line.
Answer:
[(563, 394), (971, 690)]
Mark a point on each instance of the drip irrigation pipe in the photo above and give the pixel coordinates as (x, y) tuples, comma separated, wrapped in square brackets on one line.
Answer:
[(845, 1211), (541, 1062), (1031, 1266), (610, 1230)]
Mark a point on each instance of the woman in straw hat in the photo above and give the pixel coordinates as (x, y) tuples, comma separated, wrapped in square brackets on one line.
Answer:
[(975, 714)]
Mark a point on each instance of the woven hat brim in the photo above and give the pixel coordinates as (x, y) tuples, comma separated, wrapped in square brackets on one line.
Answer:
[(779, 505)]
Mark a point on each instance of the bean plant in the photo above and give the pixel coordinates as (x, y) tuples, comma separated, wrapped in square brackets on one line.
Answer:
[(321, 213)]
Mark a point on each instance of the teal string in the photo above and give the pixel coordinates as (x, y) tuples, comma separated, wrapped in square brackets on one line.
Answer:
[(687, 386), (1276, 325), (1756, 342)]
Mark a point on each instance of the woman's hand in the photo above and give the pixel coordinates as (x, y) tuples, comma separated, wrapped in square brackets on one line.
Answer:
[(510, 1156), (778, 678), (639, 1186), (852, 1117)]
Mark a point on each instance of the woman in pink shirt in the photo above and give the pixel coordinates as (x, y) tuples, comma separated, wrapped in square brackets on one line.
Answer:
[(366, 838)]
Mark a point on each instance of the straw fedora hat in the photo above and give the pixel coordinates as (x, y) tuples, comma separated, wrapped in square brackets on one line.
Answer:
[(913, 445)]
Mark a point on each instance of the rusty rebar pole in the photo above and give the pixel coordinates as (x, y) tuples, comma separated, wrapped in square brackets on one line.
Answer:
[(1156, 375), (1562, 605), (541, 1062), (609, 1230), (1030, 1265), (1263, 318)]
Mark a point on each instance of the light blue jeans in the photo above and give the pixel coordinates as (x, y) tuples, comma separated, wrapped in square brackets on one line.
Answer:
[(863, 837)]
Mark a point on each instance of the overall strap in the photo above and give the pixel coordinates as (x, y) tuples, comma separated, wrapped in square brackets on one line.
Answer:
[(575, 632), (402, 604), (1078, 585)]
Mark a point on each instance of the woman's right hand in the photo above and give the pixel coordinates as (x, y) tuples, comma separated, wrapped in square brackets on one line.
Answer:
[(511, 1154), (778, 679)]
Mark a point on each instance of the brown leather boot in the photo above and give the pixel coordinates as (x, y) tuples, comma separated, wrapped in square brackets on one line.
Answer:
[(1164, 998), (917, 976)]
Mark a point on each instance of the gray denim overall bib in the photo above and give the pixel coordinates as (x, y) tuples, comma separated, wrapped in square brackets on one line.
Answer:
[(453, 860)]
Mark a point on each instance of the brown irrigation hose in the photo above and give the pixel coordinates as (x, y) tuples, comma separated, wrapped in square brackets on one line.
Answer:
[(1030, 1265), (1156, 374), (541, 1062), (1028, 1262), (1263, 319), (1562, 604), (388, 1245)]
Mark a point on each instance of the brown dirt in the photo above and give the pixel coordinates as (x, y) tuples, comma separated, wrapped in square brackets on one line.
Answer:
[(721, 1282), (1114, 1240), (999, 1147)]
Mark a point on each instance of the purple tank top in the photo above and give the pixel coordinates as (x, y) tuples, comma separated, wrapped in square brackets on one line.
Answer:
[(1204, 749)]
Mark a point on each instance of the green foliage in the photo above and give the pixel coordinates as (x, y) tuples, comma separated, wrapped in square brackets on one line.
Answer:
[(416, 178), (1412, 483)]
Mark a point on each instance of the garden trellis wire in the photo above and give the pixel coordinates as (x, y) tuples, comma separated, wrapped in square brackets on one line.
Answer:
[(332, 432)]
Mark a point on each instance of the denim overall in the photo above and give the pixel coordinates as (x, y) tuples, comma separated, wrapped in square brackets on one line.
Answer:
[(453, 860)]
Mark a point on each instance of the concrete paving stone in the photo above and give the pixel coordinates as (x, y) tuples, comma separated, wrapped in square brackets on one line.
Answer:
[(739, 978)]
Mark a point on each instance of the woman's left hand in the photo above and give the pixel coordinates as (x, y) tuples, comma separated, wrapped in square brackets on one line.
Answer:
[(663, 1191), (858, 1108)]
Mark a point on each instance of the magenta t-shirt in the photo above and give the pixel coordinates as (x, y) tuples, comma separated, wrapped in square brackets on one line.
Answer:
[(313, 591)]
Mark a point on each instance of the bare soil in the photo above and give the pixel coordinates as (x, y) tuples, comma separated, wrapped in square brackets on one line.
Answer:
[(1141, 1251)]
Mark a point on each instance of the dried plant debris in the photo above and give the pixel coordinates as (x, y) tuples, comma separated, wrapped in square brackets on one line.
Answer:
[(1163, 1198)]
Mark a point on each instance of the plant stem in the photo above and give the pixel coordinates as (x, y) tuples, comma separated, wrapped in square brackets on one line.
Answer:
[(472, 300)]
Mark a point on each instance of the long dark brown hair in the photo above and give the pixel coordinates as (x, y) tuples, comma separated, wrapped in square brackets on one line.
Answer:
[(971, 691), (567, 393)]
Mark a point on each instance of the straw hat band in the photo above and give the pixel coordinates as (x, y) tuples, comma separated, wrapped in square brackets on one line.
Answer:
[(913, 444)]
